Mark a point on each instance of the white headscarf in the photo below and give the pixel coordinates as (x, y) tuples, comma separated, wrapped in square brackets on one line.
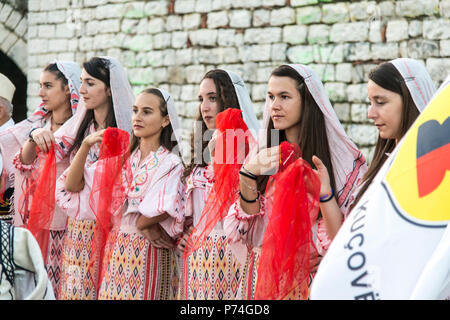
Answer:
[(123, 100), (417, 79), (349, 165), (245, 103), (174, 119), (72, 72)]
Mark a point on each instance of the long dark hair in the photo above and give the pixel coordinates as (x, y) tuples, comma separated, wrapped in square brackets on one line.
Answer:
[(99, 69), (387, 76), (312, 138), (226, 98), (167, 131)]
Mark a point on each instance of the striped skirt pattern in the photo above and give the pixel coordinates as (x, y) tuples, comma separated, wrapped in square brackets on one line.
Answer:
[(139, 271)]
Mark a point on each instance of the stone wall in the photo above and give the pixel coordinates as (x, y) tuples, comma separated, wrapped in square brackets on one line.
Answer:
[(13, 31), (172, 43)]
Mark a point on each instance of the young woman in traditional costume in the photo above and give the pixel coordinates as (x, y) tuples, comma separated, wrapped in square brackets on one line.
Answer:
[(22, 271), (297, 111), (210, 270), (59, 91), (142, 265), (398, 91), (107, 101)]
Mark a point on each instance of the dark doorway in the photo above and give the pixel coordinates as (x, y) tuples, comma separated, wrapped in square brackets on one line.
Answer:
[(13, 72)]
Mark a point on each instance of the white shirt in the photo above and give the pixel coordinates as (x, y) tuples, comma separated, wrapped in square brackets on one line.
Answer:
[(8, 124)]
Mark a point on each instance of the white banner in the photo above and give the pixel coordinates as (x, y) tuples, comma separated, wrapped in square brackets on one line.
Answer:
[(395, 244)]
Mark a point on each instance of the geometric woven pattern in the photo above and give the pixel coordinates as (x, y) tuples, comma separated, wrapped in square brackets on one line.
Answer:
[(138, 271), (53, 265), (211, 272), (77, 282)]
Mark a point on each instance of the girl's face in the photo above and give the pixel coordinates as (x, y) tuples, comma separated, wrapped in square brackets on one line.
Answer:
[(285, 102), (209, 106), (93, 91), (385, 110), (147, 119), (52, 91)]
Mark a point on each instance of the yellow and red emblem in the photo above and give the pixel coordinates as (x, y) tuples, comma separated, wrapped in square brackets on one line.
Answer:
[(419, 178)]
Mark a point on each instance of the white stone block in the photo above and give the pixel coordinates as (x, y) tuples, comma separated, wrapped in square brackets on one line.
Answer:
[(179, 39), (334, 13), (438, 68), (271, 3), (217, 19), (203, 37), (156, 25), (415, 28), (359, 51), (191, 21), (318, 33), (184, 6), (445, 48), (240, 18), (162, 40), (226, 37), (46, 31), (363, 134), (397, 30), (261, 17), (282, 16), (203, 6), (195, 73), (21, 28), (300, 54), (278, 52), (415, 8), (156, 8), (349, 32), (13, 20), (262, 35), (5, 12), (344, 72), (174, 22), (255, 52), (359, 112), (37, 46), (438, 29), (294, 34), (336, 91), (357, 92), (342, 111)]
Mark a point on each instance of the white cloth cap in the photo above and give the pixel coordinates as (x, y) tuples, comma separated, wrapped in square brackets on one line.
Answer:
[(7, 88)]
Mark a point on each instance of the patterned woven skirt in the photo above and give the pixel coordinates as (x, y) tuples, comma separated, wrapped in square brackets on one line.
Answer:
[(211, 272), (77, 282), (139, 271), (54, 256), (250, 278)]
